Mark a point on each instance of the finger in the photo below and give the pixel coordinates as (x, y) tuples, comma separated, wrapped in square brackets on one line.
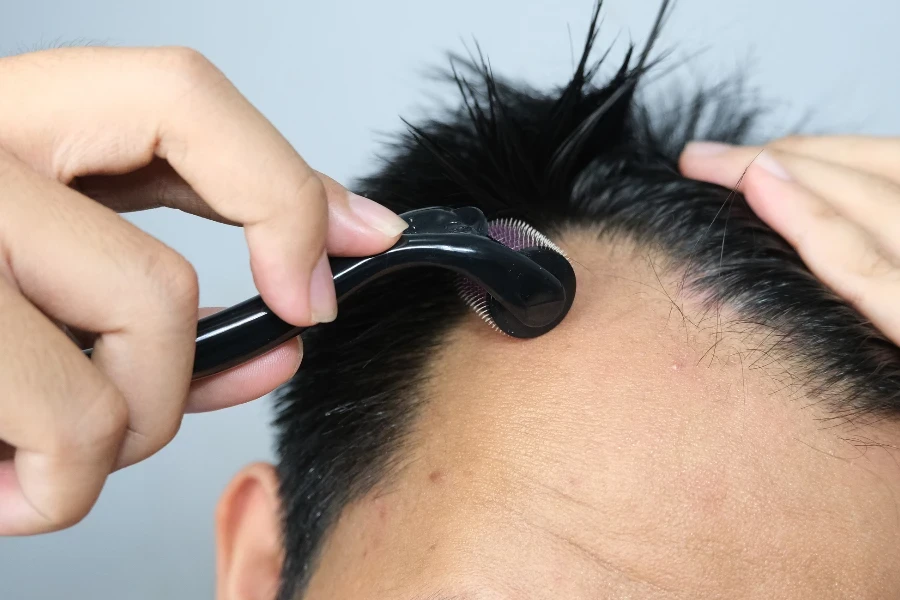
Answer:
[(839, 252), (155, 185), (878, 156), (82, 264), (868, 200), (350, 217), (246, 382), (723, 163), (352, 220), (80, 111), (63, 417)]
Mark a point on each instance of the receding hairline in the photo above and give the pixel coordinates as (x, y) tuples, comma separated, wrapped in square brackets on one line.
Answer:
[(617, 167)]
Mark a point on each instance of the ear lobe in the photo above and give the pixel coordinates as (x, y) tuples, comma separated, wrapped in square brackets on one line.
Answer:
[(248, 536)]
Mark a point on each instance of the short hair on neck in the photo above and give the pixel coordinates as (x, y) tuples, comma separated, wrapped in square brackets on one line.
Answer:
[(586, 154)]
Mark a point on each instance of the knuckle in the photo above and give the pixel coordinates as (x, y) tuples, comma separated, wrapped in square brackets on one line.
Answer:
[(111, 419), (312, 194), (188, 67), (67, 514), (823, 211), (173, 277), (312, 190), (185, 60), (76, 515), (875, 262), (101, 424), (7, 162), (790, 143), (13, 173), (163, 434)]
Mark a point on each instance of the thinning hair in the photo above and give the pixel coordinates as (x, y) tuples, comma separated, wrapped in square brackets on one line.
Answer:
[(587, 154)]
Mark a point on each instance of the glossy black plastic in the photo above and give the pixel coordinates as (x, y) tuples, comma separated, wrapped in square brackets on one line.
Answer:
[(531, 291)]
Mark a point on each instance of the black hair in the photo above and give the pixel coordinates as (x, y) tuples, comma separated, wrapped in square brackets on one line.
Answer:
[(585, 154)]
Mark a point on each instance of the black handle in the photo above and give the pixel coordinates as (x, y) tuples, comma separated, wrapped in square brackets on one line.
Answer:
[(530, 293)]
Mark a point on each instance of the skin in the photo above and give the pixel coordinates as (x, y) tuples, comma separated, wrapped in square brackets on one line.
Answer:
[(836, 199), (648, 466), (524, 490), (90, 132)]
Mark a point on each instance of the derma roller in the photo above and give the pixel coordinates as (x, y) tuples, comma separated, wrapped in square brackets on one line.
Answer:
[(511, 275)]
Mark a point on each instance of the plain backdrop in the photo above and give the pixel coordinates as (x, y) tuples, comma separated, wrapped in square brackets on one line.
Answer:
[(334, 76)]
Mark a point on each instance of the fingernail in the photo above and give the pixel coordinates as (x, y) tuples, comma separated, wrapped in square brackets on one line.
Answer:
[(768, 162), (377, 216), (707, 148), (299, 358), (322, 301)]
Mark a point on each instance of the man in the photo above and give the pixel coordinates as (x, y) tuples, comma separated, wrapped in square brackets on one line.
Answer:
[(709, 421)]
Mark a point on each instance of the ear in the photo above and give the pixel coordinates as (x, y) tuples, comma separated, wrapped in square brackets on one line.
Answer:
[(248, 536)]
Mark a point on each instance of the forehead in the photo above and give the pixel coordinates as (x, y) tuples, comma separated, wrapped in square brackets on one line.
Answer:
[(633, 452)]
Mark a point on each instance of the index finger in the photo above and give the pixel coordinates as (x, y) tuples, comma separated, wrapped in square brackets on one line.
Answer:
[(724, 164), (879, 156), (81, 111)]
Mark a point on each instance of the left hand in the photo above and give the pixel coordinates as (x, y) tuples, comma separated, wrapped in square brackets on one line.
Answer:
[(836, 200)]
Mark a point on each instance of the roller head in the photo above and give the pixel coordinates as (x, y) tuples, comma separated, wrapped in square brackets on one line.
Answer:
[(527, 240)]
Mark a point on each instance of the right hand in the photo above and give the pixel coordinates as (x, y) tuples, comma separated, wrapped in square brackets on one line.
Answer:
[(835, 199), (89, 132)]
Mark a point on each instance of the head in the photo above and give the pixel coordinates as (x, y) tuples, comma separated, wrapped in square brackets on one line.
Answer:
[(708, 421)]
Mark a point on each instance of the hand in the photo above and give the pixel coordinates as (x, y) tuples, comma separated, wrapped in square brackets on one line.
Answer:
[(836, 200), (87, 132)]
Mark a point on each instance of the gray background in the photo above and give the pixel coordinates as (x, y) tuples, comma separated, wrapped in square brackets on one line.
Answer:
[(333, 75)]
